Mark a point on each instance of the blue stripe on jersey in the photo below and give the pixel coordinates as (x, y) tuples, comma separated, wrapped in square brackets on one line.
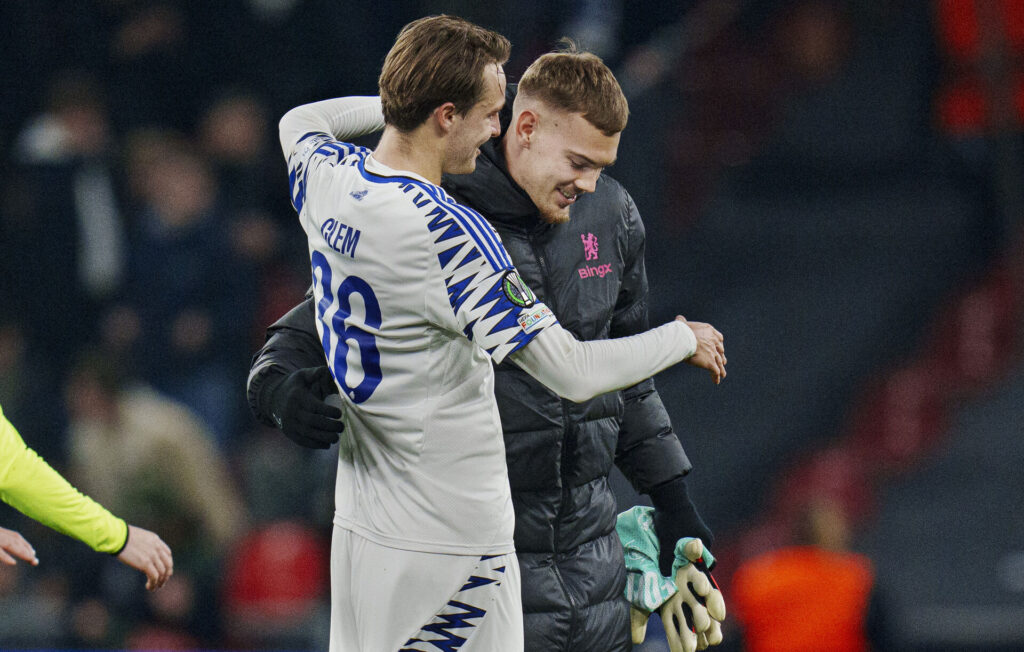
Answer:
[(338, 147), (510, 320), (478, 222), (457, 294), (495, 294), (488, 232), (488, 251), (471, 256), (437, 222), (521, 339), (297, 187), (476, 581), (326, 150), (483, 240), (446, 256), (443, 202)]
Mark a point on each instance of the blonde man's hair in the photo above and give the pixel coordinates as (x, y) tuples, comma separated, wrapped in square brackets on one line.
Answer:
[(578, 82), (435, 60)]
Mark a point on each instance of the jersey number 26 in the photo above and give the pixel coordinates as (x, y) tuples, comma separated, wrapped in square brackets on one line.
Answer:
[(342, 332)]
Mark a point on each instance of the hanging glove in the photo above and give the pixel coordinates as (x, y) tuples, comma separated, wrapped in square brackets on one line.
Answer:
[(692, 616), (711, 637), (646, 588), (689, 601), (297, 404), (638, 624)]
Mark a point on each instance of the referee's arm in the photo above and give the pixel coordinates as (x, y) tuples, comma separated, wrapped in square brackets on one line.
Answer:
[(30, 485)]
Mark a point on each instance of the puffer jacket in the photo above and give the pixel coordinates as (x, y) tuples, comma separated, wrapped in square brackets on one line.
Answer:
[(590, 272)]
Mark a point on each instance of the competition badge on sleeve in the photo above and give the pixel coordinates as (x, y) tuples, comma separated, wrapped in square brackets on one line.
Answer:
[(516, 291)]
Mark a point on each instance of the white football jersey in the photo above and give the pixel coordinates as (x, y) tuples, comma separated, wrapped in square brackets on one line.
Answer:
[(415, 296)]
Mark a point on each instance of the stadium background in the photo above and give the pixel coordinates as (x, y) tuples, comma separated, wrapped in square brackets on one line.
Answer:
[(835, 184)]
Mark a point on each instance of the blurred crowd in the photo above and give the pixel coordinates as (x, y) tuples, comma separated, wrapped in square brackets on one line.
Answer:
[(146, 239)]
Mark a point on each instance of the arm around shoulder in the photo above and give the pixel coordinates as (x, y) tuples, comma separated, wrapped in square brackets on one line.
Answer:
[(289, 382), (292, 344)]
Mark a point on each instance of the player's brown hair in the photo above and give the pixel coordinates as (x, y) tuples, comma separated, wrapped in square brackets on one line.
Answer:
[(435, 60), (578, 82)]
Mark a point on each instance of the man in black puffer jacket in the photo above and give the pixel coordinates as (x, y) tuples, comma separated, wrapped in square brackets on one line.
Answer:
[(590, 271)]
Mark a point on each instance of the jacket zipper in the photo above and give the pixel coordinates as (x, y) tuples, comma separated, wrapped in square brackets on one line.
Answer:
[(574, 608)]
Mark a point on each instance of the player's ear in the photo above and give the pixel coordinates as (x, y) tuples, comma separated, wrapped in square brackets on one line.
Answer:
[(526, 124), (444, 117)]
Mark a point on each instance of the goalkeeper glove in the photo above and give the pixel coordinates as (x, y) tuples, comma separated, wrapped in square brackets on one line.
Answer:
[(638, 624), (713, 636), (296, 402), (692, 616), (692, 598)]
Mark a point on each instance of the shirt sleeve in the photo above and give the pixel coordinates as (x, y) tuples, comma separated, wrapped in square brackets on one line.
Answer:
[(312, 151), (30, 485), (580, 371), (490, 302), (314, 134), (342, 118)]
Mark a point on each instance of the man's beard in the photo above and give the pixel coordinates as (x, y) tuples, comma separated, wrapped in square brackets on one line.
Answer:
[(561, 216)]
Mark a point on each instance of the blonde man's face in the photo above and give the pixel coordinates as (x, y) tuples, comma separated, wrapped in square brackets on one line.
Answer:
[(562, 157)]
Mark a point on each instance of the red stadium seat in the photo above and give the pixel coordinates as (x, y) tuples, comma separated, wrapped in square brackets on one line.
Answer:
[(277, 576), (976, 338), (900, 419), (835, 473), (964, 103)]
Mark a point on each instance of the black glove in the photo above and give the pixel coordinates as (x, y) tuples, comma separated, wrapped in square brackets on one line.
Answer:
[(296, 404), (675, 517)]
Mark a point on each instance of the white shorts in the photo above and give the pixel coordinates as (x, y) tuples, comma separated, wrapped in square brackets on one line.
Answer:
[(389, 600)]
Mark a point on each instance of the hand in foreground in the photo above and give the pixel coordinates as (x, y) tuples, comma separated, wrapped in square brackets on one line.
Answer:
[(12, 545), (692, 616), (297, 404), (147, 553), (710, 352)]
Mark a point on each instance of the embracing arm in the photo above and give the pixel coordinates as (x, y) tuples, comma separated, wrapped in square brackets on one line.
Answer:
[(581, 370), (291, 345), (289, 381)]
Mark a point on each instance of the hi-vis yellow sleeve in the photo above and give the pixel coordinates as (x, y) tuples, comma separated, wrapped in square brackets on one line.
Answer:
[(30, 485)]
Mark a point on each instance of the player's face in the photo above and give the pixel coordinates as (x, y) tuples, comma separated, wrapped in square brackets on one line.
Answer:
[(478, 125), (565, 156)]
